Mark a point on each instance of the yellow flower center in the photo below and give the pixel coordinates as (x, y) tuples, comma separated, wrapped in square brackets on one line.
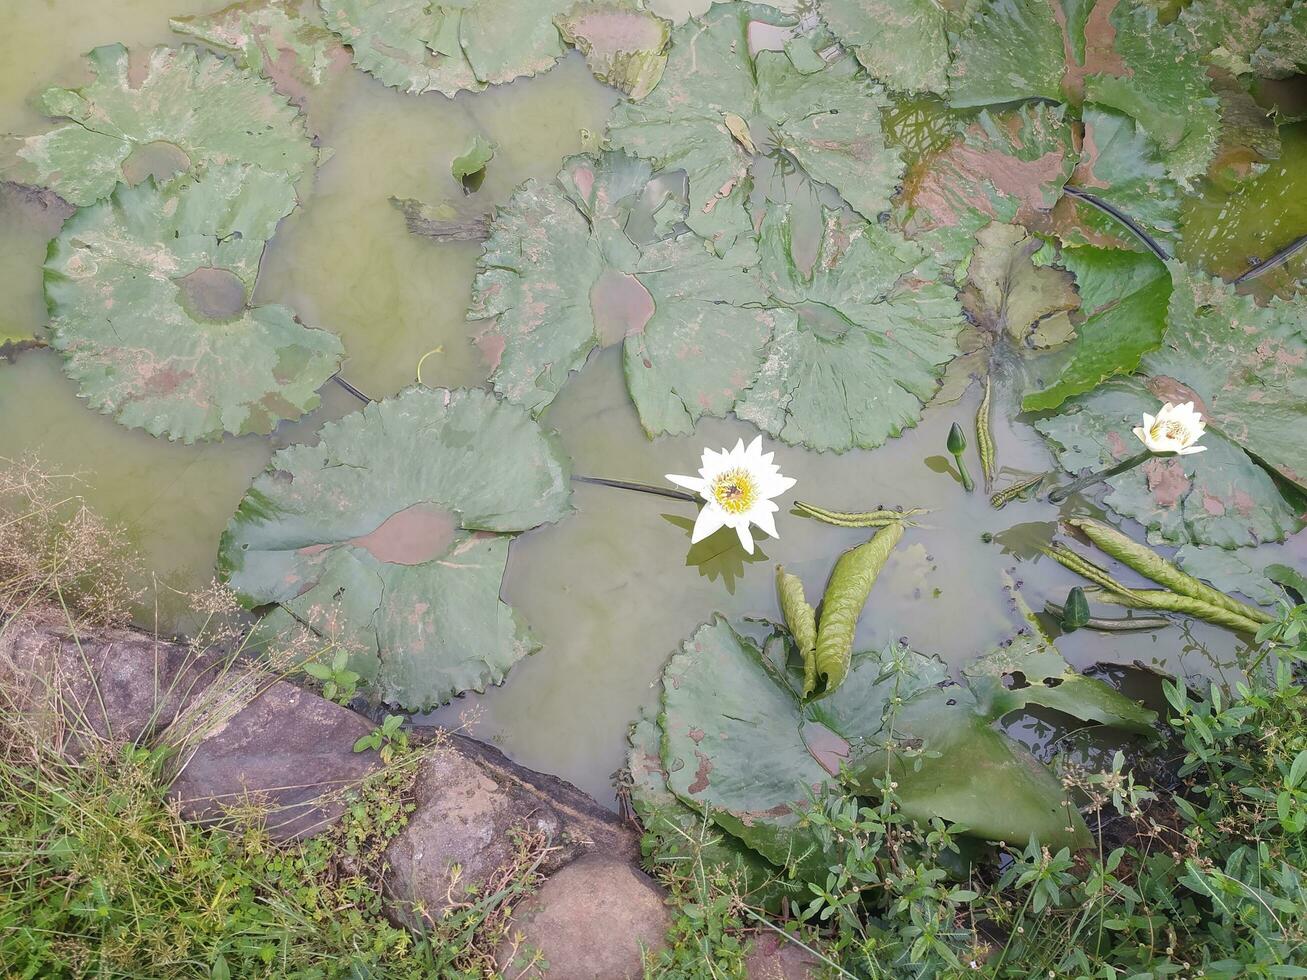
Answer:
[(735, 491), (1170, 429)]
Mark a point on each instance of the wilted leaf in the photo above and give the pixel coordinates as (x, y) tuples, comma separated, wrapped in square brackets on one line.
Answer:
[(1124, 300), (189, 109), (420, 46), (391, 536), (149, 296), (828, 120), (271, 38), (900, 42), (624, 47)]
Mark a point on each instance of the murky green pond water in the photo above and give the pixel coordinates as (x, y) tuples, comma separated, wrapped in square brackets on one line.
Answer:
[(611, 591)]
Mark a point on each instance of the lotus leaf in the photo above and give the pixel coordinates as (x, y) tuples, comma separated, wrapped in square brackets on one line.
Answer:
[(391, 536), (149, 295), (188, 109), (723, 102), (1283, 48), (900, 42), (624, 47), (423, 46)]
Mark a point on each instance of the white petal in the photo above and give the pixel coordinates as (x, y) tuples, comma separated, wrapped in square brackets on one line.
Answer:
[(689, 482), (710, 520), (765, 521), (1190, 450), (746, 538), (755, 447)]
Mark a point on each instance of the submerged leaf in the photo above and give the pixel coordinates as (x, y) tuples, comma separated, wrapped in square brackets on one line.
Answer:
[(391, 536), (186, 110), (1124, 299), (418, 46), (828, 120), (149, 294), (624, 47), (1009, 296)]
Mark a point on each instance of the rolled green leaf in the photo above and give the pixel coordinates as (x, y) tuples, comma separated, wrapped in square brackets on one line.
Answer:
[(985, 438), (850, 583), (1008, 494), (801, 621), (870, 518), (1170, 602), (1084, 567), (1151, 565)]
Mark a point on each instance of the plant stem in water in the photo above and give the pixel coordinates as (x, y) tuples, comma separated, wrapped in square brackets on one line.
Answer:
[(637, 487), (1059, 494)]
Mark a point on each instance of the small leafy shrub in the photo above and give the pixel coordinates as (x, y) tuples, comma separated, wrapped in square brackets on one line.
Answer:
[(339, 683)]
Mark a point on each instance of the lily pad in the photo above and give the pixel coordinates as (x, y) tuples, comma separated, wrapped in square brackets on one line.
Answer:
[(469, 167), (902, 43), (740, 744), (1226, 33), (421, 46), (723, 102), (1259, 574), (391, 536), (271, 38), (149, 295), (1283, 48), (1124, 299), (186, 109), (623, 47)]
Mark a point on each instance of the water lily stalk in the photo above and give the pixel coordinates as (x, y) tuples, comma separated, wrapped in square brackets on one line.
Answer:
[(1008, 494), (1109, 624), (1151, 565), (985, 437), (1059, 494), (1170, 602), (869, 518), (599, 481), (957, 445), (1075, 612)]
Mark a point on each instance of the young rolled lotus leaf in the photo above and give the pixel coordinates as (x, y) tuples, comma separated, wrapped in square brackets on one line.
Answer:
[(391, 534), (271, 38), (740, 745), (418, 46), (726, 97), (189, 109), (623, 47), (676, 833), (1118, 55), (1124, 299), (903, 44), (149, 297)]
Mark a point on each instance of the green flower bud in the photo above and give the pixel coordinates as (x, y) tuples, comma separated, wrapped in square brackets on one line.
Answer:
[(957, 440), (1075, 613)]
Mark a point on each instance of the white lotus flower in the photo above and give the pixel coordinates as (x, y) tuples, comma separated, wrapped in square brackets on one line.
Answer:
[(1174, 431), (737, 487)]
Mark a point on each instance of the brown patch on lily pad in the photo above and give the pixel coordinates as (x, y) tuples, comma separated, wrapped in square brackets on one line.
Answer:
[(700, 774), (1166, 481), (212, 294), (621, 306), (411, 536), (159, 160), (1177, 393), (827, 747)]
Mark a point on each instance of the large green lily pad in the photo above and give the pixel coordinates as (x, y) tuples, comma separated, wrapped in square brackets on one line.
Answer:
[(722, 103), (391, 536), (424, 46), (903, 43), (187, 109), (272, 38), (149, 296), (740, 744), (1124, 299)]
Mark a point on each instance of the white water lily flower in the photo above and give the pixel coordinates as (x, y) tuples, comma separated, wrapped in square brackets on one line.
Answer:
[(737, 487), (1174, 431)]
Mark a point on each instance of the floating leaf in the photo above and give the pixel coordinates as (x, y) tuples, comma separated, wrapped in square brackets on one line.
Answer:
[(623, 47), (469, 165), (270, 38), (418, 46), (187, 110), (391, 535), (1283, 48), (900, 42), (828, 120), (1124, 299), (149, 297), (740, 745)]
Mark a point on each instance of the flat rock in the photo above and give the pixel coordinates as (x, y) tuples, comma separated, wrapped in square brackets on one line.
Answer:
[(288, 750), (471, 801), (773, 958), (591, 921)]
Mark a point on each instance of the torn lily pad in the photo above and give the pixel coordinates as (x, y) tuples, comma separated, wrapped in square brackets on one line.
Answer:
[(149, 297), (741, 745), (419, 46), (271, 38), (903, 43), (185, 110), (391, 536), (1124, 299), (724, 101), (623, 47)]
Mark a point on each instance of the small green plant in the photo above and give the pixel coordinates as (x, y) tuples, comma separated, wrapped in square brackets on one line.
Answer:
[(339, 683), (388, 738)]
